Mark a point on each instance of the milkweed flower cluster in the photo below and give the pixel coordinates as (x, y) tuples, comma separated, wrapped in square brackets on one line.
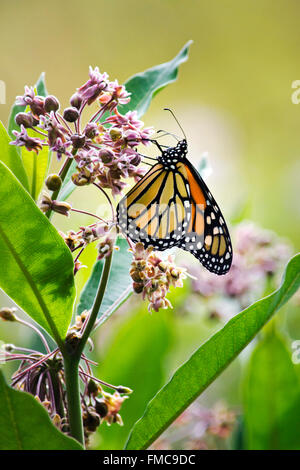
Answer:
[(104, 149), (42, 375), (152, 276), (259, 256), (199, 428)]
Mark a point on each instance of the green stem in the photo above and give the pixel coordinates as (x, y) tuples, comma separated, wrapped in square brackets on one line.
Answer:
[(72, 359), (71, 365), (96, 305)]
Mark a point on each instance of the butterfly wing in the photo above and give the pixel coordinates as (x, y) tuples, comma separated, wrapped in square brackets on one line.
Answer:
[(156, 210), (207, 236), (169, 208)]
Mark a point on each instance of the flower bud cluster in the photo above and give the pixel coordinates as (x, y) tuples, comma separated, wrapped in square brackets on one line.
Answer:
[(152, 276), (105, 149)]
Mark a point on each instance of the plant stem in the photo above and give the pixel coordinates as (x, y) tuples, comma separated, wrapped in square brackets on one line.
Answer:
[(72, 359), (96, 305), (71, 368)]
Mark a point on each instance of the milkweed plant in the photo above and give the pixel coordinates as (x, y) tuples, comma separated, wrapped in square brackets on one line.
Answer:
[(99, 140)]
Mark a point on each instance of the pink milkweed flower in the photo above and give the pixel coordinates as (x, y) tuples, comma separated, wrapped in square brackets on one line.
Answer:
[(61, 148), (35, 102), (24, 140), (97, 82)]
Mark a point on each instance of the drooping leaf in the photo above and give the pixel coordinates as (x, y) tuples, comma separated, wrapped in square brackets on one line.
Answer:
[(41, 90), (206, 364), (118, 287), (143, 87), (11, 157), (135, 358), (38, 273), (272, 397), (25, 424)]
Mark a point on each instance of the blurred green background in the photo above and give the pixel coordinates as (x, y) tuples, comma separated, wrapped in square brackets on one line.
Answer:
[(232, 97)]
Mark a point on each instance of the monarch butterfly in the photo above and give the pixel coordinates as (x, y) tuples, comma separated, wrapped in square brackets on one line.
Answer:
[(172, 206)]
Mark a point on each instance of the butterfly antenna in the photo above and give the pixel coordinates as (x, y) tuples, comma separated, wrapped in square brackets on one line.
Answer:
[(167, 133), (179, 125)]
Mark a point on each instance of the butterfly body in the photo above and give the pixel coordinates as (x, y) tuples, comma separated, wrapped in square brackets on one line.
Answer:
[(172, 206)]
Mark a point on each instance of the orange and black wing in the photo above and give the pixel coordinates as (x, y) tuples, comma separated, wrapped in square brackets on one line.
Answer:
[(156, 210), (207, 236), (169, 208)]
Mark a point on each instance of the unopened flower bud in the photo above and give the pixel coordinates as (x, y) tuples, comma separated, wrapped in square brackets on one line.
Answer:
[(91, 130), (115, 134), (76, 100), (53, 182), (83, 178), (122, 389), (71, 114), (24, 119), (92, 388), (136, 160), (9, 347), (162, 266), (78, 141), (7, 314), (72, 339), (175, 273), (137, 287), (101, 408), (106, 155), (135, 275), (61, 207), (51, 104), (56, 420), (91, 420)]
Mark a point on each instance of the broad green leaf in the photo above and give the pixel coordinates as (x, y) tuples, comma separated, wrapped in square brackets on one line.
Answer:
[(118, 287), (25, 424), (144, 86), (272, 397), (11, 157), (41, 91), (38, 273), (135, 358), (206, 364), (36, 167)]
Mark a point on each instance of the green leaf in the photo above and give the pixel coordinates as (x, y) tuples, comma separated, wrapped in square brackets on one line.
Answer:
[(25, 424), (135, 358), (10, 156), (144, 86), (272, 397), (38, 272), (206, 364), (36, 167), (118, 287), (41, 90)]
